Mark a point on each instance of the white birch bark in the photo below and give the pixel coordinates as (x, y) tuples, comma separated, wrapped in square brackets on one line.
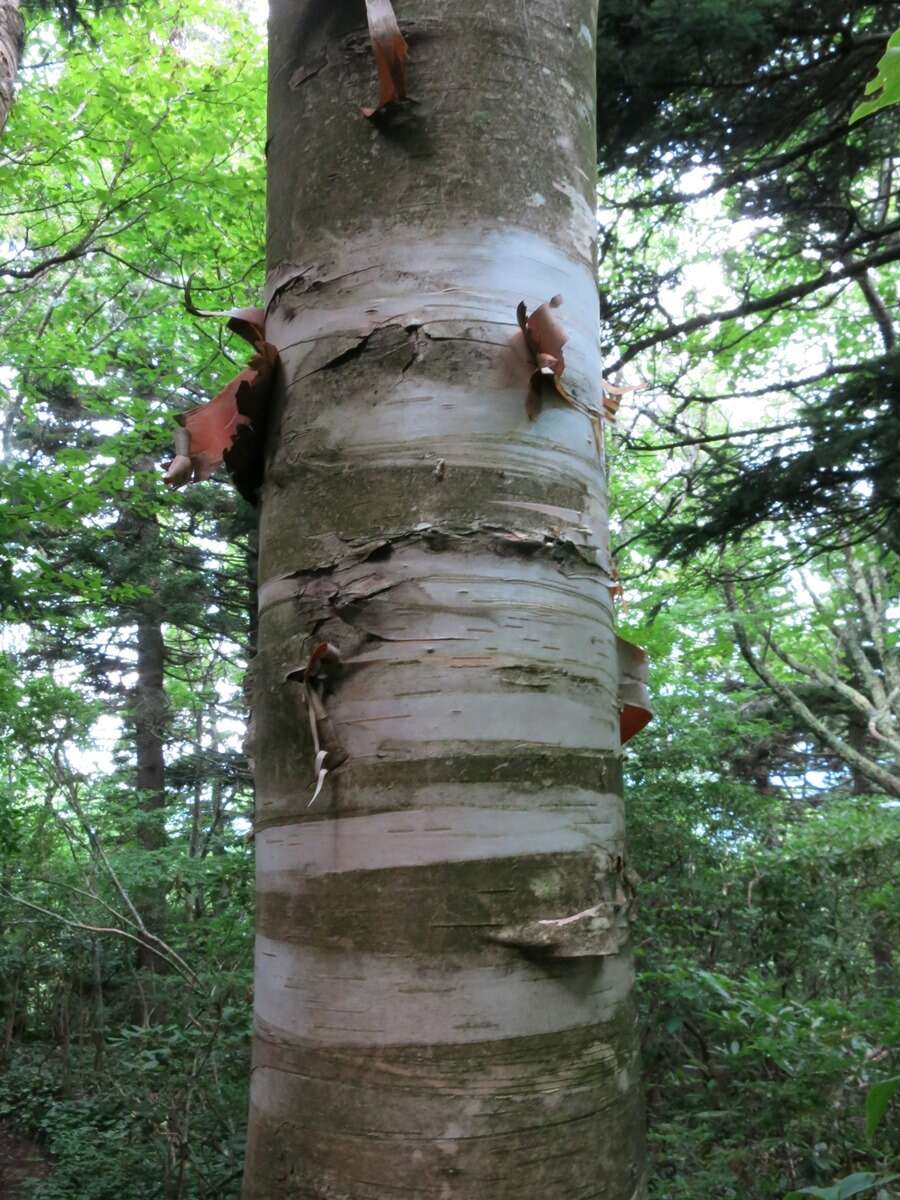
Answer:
[(443, 983)]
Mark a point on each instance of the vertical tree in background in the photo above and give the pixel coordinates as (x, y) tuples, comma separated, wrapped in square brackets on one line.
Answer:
[(443, 985), (10, 49), (148, 715)]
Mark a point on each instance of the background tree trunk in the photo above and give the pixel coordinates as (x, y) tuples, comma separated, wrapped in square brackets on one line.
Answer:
[(148, 710), (11, 33), (419, 1031)]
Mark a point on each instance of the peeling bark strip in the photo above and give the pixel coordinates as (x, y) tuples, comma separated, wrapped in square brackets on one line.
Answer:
[(612, 397), (248, 323), (12, 30), (389, 48), (634, 699), (231, 427), (443, 999), (544, 339)]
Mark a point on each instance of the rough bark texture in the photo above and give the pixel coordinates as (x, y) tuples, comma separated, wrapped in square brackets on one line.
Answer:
[(443, 983), (11, 33), (148, 707)]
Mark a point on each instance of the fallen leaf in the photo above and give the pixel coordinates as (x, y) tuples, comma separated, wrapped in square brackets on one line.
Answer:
[(390, 50)]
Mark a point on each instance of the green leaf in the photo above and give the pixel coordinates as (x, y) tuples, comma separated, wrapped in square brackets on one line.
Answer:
[(822, 1193), (885, 87), (877, 1100), (72, 457), (852, 1185), (714, 982)]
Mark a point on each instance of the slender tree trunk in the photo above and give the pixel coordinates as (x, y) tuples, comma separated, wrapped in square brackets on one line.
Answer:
[(882, 944), (64, 1034), (148, 706), (12, 997), (98, 1015), (858, 738), (11, 35), (149, 711), (443, 984)]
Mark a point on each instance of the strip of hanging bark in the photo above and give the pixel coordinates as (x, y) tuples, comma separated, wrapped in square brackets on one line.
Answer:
[(323, 664), (544, 338), (390, 50), (611, 404), (324, 661), (634, 698), (316, 710), (245, 458), (616, 590), (612, 397), (248, 323), (599, 931), (230, 428)]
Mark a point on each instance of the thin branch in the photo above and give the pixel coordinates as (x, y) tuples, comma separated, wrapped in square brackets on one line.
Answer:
[(812, 671), (761, 304), (643, 448), (79, 250), (765, 166), (784, 385), (884, 779), (92, 896), (169, 954)]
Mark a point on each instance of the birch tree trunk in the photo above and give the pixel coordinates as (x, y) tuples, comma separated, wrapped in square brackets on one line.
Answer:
[(443, 985), (11, 30)]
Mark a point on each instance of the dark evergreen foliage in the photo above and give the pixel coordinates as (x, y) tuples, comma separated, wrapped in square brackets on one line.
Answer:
[(837, 476), (727, 85), (759, 95)]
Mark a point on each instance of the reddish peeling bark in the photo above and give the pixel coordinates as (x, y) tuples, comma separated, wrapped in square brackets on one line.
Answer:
[(443, 999), (390, 51)]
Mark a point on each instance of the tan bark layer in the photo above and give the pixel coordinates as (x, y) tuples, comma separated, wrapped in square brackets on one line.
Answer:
[(343, 1118), (443, 982)]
